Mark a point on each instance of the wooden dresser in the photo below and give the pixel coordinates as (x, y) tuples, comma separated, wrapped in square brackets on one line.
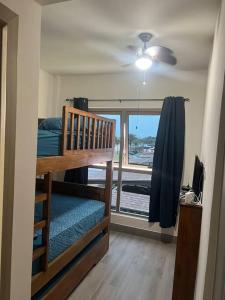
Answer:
[(187, 252)]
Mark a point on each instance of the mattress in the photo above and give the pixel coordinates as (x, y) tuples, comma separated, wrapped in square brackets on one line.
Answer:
[(71, 218), (49, 142)]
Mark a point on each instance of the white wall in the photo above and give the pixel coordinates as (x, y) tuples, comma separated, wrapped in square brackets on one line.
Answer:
[(210, 149), (47, 93), (127, 85), (24, 25)]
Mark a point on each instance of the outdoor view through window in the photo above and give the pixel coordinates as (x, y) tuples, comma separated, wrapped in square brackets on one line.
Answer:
[(142, 130), (132, 177)]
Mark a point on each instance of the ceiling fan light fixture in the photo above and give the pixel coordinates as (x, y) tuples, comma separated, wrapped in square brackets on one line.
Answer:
[(143, 63), (152, 51)]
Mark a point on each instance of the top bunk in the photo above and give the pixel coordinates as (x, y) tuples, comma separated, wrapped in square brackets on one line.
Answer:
[(82, 139)]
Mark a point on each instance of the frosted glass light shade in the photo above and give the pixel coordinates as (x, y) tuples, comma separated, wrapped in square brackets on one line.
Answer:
[(143, 63)]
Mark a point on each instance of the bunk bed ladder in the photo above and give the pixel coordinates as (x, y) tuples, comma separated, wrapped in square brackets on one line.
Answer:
[(44, 224)]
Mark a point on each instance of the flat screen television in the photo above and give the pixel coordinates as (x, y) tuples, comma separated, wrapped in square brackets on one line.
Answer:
[(198, 177)]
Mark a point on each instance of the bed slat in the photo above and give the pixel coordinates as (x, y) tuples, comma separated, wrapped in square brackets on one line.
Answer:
[(102, 134), (89, 132), (105, 135), (94, 133), (39, 252), (39, 225), (65, 126), (84, 132), (78, 132), (71, 131), (41, 197), (109, 134), (98, 134)]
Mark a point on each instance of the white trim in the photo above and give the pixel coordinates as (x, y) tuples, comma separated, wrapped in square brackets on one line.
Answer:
[(2, 123), (141, 223)]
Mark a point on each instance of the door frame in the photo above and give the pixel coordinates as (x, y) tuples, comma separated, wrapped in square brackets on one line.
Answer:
[(123, 157), (3, 57), (11, 20), (214, 286), (215, 270)]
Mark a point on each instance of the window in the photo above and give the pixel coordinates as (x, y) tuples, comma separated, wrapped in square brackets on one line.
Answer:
[(96, 176), (134, 151), (134, 197), (142, 130), (117, 134)]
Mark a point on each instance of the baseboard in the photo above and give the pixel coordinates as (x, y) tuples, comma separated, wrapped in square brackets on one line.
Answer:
[(166, 238)]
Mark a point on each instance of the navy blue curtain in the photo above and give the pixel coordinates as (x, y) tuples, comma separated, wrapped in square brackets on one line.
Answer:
[(79, 175), (168, 163)]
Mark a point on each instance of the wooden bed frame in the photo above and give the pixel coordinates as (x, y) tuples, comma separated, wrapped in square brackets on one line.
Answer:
[(97, 146)]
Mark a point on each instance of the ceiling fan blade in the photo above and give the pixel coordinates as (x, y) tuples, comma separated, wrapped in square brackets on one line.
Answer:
[(163, 54), (127, 65), (155, 50), (168, 59), (133, 48)]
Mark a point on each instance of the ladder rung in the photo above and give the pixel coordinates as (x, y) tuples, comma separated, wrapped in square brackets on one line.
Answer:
[(39, 225), (39, 252), (41, 197)]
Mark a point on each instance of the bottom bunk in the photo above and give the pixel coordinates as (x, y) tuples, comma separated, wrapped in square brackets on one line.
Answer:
[(62, 285), (78, 237)]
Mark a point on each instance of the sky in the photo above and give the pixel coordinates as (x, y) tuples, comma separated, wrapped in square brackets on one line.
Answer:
[(140, 125)]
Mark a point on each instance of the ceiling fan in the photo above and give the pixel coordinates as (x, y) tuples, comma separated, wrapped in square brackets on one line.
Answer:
[(146, 55)]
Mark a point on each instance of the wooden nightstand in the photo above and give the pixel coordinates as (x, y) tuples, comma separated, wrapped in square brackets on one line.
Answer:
[(187, 252)]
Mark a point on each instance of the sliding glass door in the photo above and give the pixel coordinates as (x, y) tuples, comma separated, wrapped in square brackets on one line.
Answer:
[(133, 159), (142, 130), (97, 174), (140, 135)]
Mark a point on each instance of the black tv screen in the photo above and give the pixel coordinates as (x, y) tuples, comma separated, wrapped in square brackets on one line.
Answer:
[(198, 177)]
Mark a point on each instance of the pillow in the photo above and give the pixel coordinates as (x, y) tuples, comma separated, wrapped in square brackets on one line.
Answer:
[(51, 124)]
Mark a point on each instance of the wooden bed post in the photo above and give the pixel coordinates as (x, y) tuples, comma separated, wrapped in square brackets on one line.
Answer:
[(46, 216), (44, 224), (109, 176), (108, 189), (64, 129)]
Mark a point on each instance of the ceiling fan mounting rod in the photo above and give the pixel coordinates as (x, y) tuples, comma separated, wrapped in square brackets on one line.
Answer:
[(145, 37)]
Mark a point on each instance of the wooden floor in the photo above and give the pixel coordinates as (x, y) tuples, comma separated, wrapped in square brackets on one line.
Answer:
[(135, 268)]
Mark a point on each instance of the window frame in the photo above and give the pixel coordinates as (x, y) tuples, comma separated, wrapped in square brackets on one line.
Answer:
[(123, 164), (133, 112)]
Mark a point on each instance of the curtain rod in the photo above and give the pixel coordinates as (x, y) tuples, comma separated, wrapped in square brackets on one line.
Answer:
[(121, 100)]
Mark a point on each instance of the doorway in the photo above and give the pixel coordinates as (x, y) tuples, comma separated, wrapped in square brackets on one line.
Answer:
[(3, 51)]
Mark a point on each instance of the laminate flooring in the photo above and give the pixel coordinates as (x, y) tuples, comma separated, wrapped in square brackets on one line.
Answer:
[(135, 268)]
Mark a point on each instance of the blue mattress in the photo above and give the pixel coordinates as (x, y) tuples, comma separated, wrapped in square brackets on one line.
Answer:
[(49, 142), (71, 218)]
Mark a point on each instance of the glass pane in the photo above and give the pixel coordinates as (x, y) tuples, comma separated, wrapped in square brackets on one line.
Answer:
[(97, 177), (142, 130), (117, 134), (135, 192)]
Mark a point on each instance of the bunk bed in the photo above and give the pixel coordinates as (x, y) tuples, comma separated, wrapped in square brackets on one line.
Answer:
[(71, 222)]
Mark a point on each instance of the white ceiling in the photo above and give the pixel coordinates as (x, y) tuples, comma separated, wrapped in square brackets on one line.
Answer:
[(91, 36)]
